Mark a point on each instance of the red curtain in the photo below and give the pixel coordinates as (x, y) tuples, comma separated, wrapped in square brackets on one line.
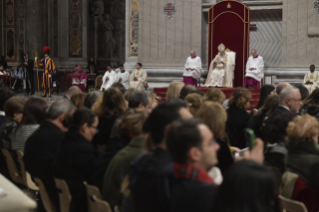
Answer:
[(229, 23)]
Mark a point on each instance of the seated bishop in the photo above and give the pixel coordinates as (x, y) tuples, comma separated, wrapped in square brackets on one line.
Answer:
[(221, 69), (311, 79)]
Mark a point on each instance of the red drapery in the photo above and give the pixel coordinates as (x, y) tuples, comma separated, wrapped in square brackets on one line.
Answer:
[(229, 23)]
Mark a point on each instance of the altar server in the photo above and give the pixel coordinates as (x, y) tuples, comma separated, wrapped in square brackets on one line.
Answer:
[(109, 78), (221, 65), (311, 79), (193, 69), (254, 70), (138, 78), (124, 76)]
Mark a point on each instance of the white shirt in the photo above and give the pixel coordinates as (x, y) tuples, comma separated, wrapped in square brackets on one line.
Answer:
[(112, 79), (193, 63), (125, 76), (257, 63)]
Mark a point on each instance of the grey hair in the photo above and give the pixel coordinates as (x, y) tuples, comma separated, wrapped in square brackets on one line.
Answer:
[(73, 90), (59, 107), (288, 92), (91, 98), (254, 50), (136, 98)]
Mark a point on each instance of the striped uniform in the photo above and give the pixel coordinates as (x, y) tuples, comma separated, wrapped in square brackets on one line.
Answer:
[(49, 67)]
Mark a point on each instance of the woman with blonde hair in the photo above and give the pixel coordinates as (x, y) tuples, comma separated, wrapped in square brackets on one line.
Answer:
[(238, 117), (111, 107), (215, 95), (301, 179), (195, 101), (214, 116), (174, 90)]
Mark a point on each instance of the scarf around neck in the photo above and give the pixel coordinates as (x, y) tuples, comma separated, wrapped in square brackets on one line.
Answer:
[(182, 171)]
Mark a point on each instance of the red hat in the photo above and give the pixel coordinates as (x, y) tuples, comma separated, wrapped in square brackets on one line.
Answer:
[(46, 49)]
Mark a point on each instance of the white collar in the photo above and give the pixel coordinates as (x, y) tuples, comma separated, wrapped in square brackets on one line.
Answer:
[(2, 113), (284, 106)]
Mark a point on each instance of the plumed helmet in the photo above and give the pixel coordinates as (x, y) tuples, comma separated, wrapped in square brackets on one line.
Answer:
[(46, 50), (221, 47)]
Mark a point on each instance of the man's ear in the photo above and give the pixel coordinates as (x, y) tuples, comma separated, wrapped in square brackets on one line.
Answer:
[(194, 154)]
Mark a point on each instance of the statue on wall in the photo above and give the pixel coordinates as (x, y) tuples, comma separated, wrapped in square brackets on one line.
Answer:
[(97, 8), (109, 38)]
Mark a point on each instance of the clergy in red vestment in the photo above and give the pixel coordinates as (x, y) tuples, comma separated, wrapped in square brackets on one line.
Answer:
[(82, 80)]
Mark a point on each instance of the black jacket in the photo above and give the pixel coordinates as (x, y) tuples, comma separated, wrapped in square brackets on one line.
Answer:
[(256, 122), (224, 155), (236, 123), (30, 67), (104, 128), (74, 164)]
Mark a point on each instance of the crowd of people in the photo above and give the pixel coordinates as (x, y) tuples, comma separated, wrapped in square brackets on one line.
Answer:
[(188, 153)]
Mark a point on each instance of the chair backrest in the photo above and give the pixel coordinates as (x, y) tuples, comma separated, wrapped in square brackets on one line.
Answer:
[(98, 82), (291, 205), (101, 206), (25, 175), (64, 195), (13, 170), (48, 205), (90, 192)]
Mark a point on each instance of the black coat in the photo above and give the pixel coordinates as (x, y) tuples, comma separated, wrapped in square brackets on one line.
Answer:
[(224, 155), (104, 128), (39, 154), (74, 163), (30, 68), (237, 122), (256, 122)]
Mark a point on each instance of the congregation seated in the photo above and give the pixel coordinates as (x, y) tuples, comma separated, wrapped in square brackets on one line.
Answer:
[(303, 91), (75, 158), (300, 181), (91, 98), (43, 145), (281, 86), (72, 91), (215, 95), (5, 94), (174, 90), (265, 91), (78, 100), (119, 86), (194, 102), (33, 115), (238, 118), (311, 104), (187, 89)]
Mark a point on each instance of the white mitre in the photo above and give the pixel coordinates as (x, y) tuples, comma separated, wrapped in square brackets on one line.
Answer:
[(221, 47)]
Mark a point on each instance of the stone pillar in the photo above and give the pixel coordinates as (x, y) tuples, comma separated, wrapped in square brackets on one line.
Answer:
[(34, 16), (63, 26)]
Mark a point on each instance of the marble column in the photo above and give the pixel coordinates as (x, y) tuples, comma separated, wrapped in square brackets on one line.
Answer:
[(34, 32)]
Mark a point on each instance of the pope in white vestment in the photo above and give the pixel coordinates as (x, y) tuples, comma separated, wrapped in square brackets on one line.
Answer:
[(124, 77), (220, 68), (109, 78), (254, 70), (311, 79), (193, 69), (138, 78)]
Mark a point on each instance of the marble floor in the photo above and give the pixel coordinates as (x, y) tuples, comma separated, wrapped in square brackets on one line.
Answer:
[(49, 100)]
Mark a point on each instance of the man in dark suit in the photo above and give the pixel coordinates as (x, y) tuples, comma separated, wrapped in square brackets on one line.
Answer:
[(42, 146), (29, 64), (289, 100)]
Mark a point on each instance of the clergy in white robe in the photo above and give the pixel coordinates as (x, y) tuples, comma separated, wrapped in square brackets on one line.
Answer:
[(221, 65), (311, 79), (124, 77), (193, 69), (254, 70), (109, 78), (138, 78)]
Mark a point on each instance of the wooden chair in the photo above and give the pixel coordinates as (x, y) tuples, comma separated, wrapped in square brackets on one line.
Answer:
[(26, 175), (90, 192), (13, 170), (100, 205), (48, 204), (64, 195), (291, 205), (98, 83)]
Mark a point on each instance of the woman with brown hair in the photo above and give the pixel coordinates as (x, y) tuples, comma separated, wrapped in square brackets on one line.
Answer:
[(174, 90), (311, 104), (215, 95), (301, 179), (112, 106), (195, 101), (238, 117), (33, 114), (78, 100), (255, 122), (214, 116)]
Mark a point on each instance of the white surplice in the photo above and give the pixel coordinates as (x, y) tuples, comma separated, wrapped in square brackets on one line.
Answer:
[(216, 73), (125, 76), (257, 63), (312, 77), (193, 63), (112, 79)]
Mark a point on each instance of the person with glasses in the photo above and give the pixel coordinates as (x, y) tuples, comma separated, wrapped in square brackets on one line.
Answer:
[(289, 100), (76, 157)]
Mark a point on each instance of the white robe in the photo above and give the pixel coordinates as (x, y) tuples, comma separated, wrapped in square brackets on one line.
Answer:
[(257, 63), (141, 76), (112, 79), (193, 63), (125, 78), (217, 72), (312, 77)]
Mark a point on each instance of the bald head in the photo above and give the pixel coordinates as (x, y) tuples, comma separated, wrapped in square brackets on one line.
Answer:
[(192, 53), (73, 90), (281, 86)]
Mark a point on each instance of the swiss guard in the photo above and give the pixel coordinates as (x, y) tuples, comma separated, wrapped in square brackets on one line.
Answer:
[(48, 67)]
